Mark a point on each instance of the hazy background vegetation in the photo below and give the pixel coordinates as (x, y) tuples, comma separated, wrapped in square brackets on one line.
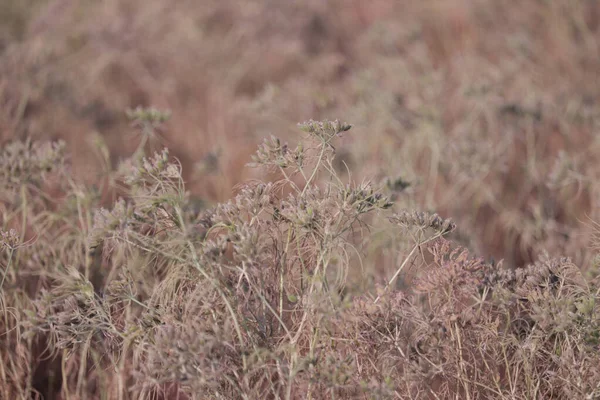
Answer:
[(481, 105)]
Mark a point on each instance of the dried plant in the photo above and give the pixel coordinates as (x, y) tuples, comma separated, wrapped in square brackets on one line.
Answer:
[(259, 296), (308, 282)]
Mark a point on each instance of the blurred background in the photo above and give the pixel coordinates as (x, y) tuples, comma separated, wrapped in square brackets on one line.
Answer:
[(485, 111)]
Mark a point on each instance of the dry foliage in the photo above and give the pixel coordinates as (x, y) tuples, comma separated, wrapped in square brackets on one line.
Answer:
[(129, 271), (270, 294)]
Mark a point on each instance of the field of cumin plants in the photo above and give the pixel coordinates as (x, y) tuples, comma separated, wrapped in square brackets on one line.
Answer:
[(169, 230)]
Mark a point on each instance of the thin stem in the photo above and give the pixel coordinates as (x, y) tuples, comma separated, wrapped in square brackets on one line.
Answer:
[(314, 173), (419, 244), (10, 253)]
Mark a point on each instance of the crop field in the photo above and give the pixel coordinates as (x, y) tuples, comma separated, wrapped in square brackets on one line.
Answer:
[(267, 199)]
